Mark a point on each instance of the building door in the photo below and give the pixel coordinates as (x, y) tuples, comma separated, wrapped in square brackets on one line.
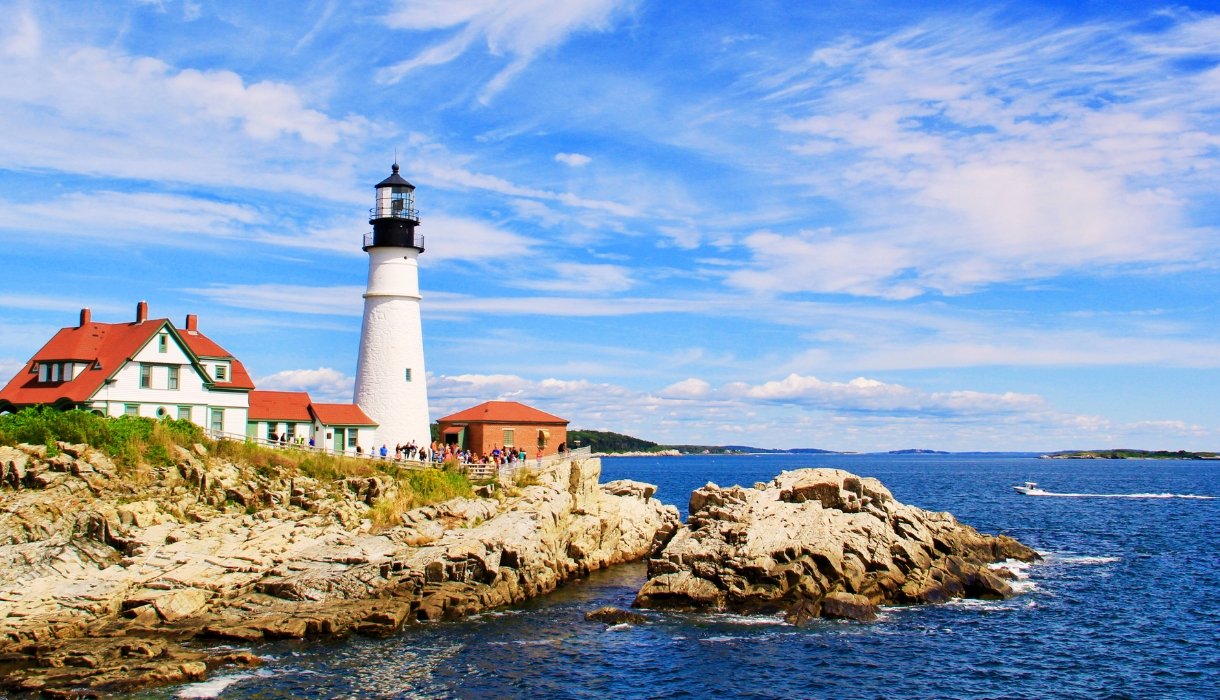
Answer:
[(339, 439)]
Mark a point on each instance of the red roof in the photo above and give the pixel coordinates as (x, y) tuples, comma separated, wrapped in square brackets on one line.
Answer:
[(204, 346), (109, 345), (502, 412), (279, 405), (340, 414)]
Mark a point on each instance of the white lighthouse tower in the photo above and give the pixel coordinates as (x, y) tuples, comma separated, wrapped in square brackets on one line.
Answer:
[(390, 379)]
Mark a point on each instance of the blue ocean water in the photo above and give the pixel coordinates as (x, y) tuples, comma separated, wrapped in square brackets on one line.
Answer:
[(1124, 606)]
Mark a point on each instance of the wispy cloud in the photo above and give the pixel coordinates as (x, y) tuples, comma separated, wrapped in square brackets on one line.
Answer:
[(147, 119), (976, 153), (519, 30), (575, 160)]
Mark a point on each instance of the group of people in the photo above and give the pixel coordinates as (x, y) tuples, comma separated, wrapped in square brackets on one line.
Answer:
[(283, 440), (409, 451)]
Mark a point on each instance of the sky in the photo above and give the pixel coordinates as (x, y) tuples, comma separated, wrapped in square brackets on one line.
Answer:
[(856, 226)]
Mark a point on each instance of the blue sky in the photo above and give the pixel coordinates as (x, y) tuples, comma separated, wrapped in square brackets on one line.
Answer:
[(855, 226)]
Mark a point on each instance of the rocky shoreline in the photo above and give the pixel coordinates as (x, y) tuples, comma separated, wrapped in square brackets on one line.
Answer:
[(821, 543), (111, 583), (107, 582)]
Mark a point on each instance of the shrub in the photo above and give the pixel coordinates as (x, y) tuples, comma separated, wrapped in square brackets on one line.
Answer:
[(129, 440)]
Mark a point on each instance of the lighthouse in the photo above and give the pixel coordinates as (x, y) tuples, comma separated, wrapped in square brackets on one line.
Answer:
[(390, 381)]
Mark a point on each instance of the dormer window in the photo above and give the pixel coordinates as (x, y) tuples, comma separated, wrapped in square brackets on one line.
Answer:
[(162, 343), (44, 372), (222, 373)]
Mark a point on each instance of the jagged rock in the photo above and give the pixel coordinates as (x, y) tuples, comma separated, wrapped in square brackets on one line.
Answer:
[(615, 616), (820, 542), (175, 605), (155, 558), (626, 487)]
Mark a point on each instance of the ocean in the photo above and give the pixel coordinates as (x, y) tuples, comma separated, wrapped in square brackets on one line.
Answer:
[(1125, 605)]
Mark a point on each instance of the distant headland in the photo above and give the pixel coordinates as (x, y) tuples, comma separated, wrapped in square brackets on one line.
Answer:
[(1130, 454)]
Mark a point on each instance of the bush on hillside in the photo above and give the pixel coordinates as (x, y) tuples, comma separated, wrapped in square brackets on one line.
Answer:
[(129, 440)]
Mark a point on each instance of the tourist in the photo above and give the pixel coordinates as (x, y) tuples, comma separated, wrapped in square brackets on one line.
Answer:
[(384, 451)]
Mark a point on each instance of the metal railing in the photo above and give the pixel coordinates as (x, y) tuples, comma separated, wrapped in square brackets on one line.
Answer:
[(409, 213), (477, 471), (416, 241)]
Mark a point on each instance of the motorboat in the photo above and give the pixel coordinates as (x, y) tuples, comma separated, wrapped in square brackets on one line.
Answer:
[(1029, 488)]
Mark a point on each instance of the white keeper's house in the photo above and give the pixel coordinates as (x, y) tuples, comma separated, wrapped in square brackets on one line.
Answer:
[(150, 368)]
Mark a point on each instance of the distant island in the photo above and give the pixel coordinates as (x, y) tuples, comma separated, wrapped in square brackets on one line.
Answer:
[(605, 442), (1130, 454)]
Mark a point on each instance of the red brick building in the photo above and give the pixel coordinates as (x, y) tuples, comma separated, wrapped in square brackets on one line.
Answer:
[(504, 424)]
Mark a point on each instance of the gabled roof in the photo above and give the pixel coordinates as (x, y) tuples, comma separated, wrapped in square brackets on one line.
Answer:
[(279, 405), (340, 414), (105, 344), (104, 348), (204, 347), (502, 412)]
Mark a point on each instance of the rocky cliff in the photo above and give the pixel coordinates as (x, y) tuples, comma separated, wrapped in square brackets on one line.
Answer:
[(821, 542), (106, 580)]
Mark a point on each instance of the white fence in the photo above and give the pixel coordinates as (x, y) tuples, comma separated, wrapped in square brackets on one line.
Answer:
[(477, 471)]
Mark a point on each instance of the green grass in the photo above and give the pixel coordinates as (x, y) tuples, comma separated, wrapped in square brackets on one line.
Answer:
[(128, 440), (419, 487), (135, 443)]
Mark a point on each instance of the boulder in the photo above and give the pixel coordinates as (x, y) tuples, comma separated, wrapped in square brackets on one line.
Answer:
[(820, 543), (615, 616)]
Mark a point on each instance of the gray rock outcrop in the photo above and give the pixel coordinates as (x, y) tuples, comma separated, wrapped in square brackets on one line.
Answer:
[(821, 543), (104, 578)]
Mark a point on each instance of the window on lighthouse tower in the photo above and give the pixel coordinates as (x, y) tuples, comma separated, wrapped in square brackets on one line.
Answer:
[(402, 201)]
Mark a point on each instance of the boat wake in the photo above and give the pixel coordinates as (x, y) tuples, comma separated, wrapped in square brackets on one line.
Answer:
[(1042, 492)]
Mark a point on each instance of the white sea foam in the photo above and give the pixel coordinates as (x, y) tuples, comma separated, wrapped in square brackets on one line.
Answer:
[(1021, 569), (1086, 560), (1040, 492), (619, 627), (211, 688)]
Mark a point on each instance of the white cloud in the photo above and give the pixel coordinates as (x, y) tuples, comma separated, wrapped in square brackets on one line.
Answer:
[(144, 118), (575, 160), (323, 384), (797, 411), (521, 30), (286, 298), (120, 218), (862, 394), (580, 277), (686, 389), (974, 154)]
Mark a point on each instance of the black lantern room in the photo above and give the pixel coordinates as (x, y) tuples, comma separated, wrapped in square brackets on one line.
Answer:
[(394, 218)]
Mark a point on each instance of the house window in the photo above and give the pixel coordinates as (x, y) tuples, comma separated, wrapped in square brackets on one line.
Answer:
[(271, 436), (131, 409), (145, 376), (173, 377), (184, 413), (217, 422), (292, 431), (508, 437), (221, 373), (55, 372), (162, 343), (352, 434), (408, 374), (44, 372)]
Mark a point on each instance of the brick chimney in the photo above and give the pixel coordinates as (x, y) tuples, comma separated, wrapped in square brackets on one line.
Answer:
[(192, 322), (142, 312), (85, 317)]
